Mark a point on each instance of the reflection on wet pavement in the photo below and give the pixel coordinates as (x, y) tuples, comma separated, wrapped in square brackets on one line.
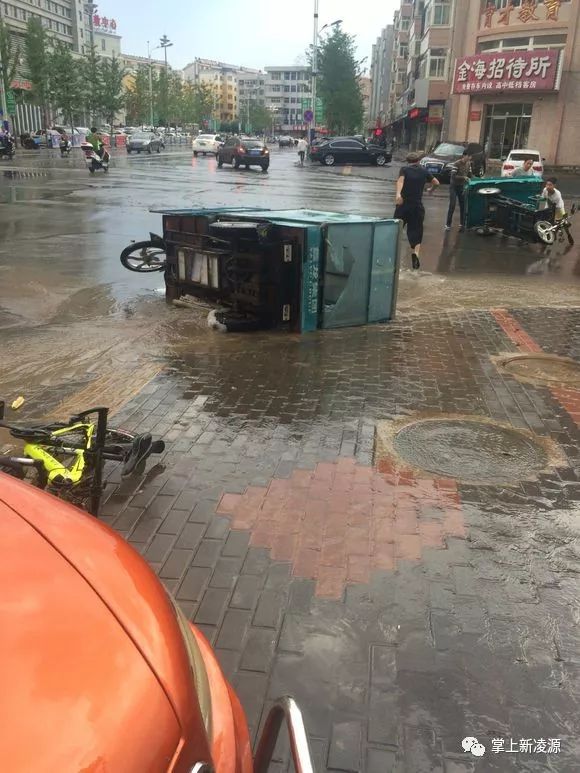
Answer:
[(62, 231)]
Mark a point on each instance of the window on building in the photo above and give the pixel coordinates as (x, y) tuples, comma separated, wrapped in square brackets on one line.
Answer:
[(293, 76), (276, 88), (276, 76), (437, 62), (286, 89), (292, 88), (405, 23), (403, 50), (441, 13), (286, 76)]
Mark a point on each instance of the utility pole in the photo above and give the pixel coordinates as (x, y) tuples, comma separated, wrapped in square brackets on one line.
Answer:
[(314, 70), (91, 9)]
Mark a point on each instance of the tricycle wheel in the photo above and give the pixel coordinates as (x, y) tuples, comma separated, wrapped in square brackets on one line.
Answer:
[(544, 230), (144, 257)]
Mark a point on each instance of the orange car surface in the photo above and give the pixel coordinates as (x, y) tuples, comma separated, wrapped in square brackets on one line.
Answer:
[(98, 669)]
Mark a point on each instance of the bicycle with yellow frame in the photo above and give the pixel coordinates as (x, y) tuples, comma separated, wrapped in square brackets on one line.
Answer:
[(68, 458)]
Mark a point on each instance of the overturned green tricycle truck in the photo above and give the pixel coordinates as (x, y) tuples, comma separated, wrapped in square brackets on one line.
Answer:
[(299, 270)]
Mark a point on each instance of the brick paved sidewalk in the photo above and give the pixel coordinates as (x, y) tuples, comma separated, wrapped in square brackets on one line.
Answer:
[(404, 611)]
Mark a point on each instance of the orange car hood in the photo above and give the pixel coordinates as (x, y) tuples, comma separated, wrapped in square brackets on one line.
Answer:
[(64, 575)]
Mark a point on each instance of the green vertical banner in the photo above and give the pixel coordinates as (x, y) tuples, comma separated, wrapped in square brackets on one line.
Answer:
[(319, 114), (10, 102)]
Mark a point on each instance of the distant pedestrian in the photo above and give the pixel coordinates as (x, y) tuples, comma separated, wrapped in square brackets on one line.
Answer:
[(525, 170), (409, 202), (459, 176), (302, 147)]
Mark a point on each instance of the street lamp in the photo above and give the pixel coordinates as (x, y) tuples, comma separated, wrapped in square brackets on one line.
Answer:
[(149, 52), (315, 62), (165, 43), (91, 9)]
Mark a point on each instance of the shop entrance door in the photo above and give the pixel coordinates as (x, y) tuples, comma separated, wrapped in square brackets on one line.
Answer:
[(506, 126)]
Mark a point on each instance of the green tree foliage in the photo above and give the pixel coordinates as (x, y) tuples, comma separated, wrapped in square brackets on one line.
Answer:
[(202, 102), (260, 117), (137, 98), (338, 82), (36, 43), (111, 73), (91, 99), (66, 86), (8, 58)]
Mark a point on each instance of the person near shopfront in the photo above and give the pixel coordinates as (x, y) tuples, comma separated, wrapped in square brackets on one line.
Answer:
[(525, 170), (459, 176), (409, 202), (301, 149), (553, 195)]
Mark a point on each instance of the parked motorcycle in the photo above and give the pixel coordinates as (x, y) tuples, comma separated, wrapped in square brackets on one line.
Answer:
[(95, 161), (7, 147), (65, 146)]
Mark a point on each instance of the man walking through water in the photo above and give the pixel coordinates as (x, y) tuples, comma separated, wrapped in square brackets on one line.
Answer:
[(409, 202)]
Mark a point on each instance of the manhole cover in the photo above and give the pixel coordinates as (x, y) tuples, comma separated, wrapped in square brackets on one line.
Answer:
[(470, 450), (546, 369)]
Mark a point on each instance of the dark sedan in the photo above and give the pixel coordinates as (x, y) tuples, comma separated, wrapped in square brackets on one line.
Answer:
[(145, 142), (347, 150), (246, 151), (440, 162)]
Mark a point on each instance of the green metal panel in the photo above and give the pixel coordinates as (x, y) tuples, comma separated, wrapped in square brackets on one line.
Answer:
[(310, 280), (347, 270), (384, 271), (516, 188)]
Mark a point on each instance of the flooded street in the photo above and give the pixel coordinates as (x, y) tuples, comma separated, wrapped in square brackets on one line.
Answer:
[(382, 521), (72, 316)]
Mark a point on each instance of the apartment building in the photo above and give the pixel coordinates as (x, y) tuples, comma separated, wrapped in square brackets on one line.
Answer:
[(503, 73), (515, 83), (287, 95), (380, 75), (66, 20), (223, 80)]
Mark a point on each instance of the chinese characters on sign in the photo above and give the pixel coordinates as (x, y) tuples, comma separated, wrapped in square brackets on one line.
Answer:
[(527, 12), (103, 23), (527, 70), (525, 746)]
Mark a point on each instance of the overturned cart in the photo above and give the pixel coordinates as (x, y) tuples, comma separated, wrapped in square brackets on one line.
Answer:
[(294, 269)]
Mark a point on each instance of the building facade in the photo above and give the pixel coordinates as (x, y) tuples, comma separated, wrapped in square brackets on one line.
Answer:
[(287, 94), (380, 74), (516, 82), (222, 78), (503, 73)]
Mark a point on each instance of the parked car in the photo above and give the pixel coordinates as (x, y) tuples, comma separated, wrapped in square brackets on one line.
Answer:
[(515, 160), (341, 150), (285, 142), (247, 152), (440, 162), (206, 143), (99, 667), (145, 142)]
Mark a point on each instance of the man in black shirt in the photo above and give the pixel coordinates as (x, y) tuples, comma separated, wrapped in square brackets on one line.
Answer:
[(409, 202)]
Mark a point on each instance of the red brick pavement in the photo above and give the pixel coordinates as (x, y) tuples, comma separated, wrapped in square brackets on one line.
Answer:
[(339, 521), (568, 398)]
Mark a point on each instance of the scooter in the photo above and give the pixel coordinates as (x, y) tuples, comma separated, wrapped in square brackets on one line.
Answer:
[(65, 147), (7, 147), (93, 160)]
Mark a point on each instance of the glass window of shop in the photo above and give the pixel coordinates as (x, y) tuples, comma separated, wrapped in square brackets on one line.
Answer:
[(506, 126)]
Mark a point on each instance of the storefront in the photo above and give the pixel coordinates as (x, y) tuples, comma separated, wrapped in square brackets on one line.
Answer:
[(511, 96)]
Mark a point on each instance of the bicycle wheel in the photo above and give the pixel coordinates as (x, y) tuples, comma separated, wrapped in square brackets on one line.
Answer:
[(144, 257)]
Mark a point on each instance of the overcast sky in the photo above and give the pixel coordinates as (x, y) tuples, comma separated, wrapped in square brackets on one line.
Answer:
[(254, 33)]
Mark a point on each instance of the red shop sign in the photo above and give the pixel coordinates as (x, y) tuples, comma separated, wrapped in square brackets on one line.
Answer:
[(414, 113), (512, 71), (475, 115)]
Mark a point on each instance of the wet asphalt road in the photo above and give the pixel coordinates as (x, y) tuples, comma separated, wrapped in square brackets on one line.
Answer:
[(71, 315)]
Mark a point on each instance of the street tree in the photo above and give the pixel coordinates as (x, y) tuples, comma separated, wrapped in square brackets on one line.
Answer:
[(203, 102), (338, 82), (260, 117), (8, 56), (112, 72), (92, 98), (36, 45), (137, 98), (163, 98), (66, 87)]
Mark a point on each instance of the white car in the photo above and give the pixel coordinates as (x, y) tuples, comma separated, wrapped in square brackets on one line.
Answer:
[(206, 143), (516, 158)]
